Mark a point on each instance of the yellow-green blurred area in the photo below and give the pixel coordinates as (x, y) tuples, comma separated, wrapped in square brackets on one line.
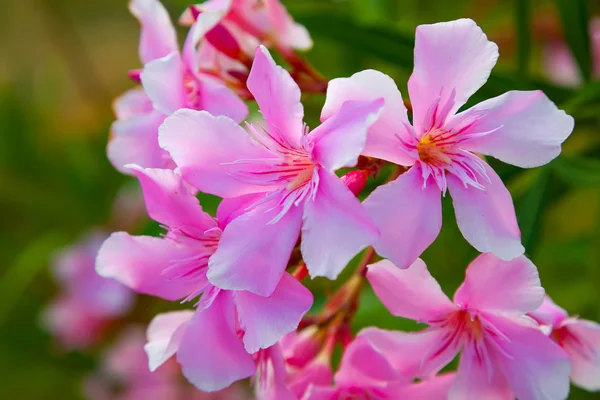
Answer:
[(62, 62)]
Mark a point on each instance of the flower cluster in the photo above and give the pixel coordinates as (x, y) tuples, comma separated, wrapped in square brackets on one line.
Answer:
[(285, 213)]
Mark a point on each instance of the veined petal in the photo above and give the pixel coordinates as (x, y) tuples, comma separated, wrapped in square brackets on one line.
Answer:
[(163, 334), (336, 227), (487, 217), (583, 346), (338, 142), (158, 37), (162, 80), (529, 128), (408, 215), (549, 313), (278, 97), (450, 57), (494, 285), (409, 293), (369, 85)]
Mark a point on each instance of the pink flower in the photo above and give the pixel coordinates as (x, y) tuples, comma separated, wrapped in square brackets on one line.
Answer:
[(579, 337), (281, 179), (232, 325), (452, 61), (503, 352), (171, 80), (88, 303), (265, 20)]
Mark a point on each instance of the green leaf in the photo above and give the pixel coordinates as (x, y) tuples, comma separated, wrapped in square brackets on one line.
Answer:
[(586, 99), (575, 22), (522, 25), (529, 214), (578, 171)]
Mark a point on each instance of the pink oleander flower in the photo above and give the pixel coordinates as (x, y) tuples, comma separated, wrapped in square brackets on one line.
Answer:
[(282, 178), (561, 67), (452, 60), (232, 325), (170, 80), (579, 337), (88, 303), (503, 352), (125, 365), (267, 21)]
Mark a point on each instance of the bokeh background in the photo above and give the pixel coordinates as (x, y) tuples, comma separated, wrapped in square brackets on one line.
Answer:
[(62, 62)]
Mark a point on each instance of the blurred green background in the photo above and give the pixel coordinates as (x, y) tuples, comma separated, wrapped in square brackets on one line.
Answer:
[(63, 61)]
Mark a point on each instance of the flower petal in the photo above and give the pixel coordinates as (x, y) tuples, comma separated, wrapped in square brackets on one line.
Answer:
[(338, 142), (139, 261), (204, 147), (132, 103), (218, 99), (487, 217), (265, 320), (583, 345), (549, 313), (450, 57), (253, 253), (366, 85), (163, 335), (436, 388), (529, 128), (158, 37), (408, 215), (336, 227), (493, 285), (409, 293), (135, 141), (286, 32), (278, 97), (210, 353), (162, 80)]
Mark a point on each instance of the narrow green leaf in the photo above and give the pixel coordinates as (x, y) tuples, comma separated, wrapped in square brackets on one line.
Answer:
[(575, 22), (530, 211), (578, 171), (523, 29)]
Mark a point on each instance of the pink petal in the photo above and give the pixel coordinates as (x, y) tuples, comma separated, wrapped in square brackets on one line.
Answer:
[(449, 56), (204, 23), (204, 147), (436, 388), (265, 320), (135, 141), (139, 261), (409, 293), (278, 97), (339, 140), (336, 227), (494, 285), (316, 392), (210, 353), (549, 313), (317, 372), (164, 334), (487, 217), (218, 99), (531, 128), (132, 103), (158, 37), (413, 354), (162, 80), (171, 201), (408, 216), (584, 348), (286, 32), (271, 375), (370, 85), (534, 366), (255, 262)]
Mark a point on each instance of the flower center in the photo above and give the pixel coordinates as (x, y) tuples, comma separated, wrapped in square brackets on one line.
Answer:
[(435, 148), (192, 91)]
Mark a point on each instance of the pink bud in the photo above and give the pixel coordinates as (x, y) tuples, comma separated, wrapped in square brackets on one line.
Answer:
[(356, 180), (300, 347), (134, 75)]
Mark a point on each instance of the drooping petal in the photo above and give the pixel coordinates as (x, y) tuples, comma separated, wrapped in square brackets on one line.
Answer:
[(549, 313), (211, 355), (162, 80), (205, 148), (253, 253), (164, 334), (409, 293), (135, 141), (450, 57), (487, 217), (338, 142), (278, 97), (139, 261), (336, 227), (583, 345), (132, 103), (413, 354), (265, 320), (408, 216), (158, 37), (534, 366), (218, 99), (494, 285), (382, 141), (285, 31), (529, 128)]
